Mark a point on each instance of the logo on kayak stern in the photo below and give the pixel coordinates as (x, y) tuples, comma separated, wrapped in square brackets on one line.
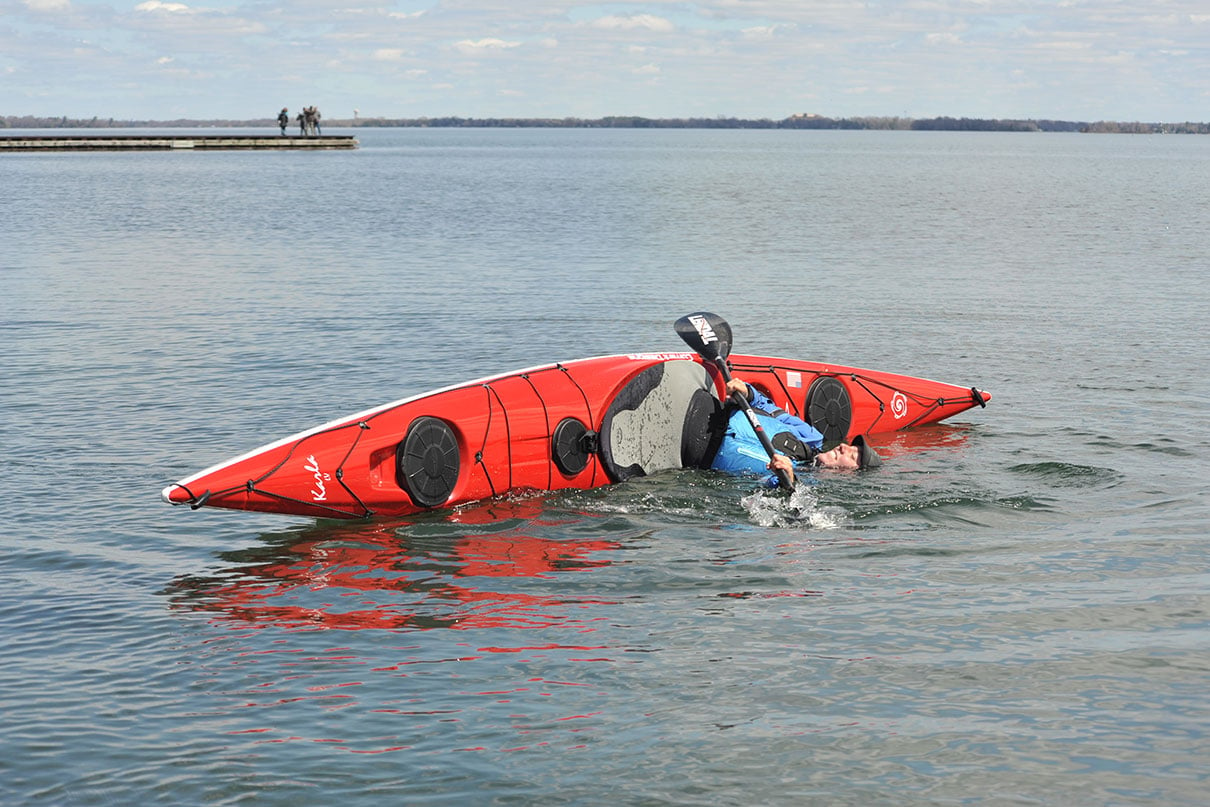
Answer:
[(702, 326), (320, 492), (659, 356), (899, 405)]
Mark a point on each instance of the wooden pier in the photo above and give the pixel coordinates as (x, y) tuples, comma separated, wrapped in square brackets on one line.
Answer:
[(207, 142)]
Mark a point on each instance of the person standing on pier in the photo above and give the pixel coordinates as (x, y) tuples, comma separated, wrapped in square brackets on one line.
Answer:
[(315, 112), (302, 125), (283, 119)]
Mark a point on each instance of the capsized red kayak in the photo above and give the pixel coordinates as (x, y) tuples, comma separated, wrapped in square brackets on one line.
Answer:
[(577, 424)]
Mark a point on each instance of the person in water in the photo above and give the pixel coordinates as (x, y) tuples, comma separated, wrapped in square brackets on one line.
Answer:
[(797, 443)]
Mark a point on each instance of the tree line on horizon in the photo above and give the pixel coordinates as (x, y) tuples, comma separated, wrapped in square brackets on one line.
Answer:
[(818, 122)]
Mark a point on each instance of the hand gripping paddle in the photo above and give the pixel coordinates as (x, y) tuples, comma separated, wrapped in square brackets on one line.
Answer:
[(710, 335)]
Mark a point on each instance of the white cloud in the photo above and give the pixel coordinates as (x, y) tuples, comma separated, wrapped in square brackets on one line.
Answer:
[(635, 21), (766, 31), (189, 24), (647, 70), (387, 54), (473, 45), (47, 5), (153, 6), (943, 39), (1068, 45)]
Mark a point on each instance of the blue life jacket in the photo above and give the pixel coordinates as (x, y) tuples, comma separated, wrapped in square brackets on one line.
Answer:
[(741, 451)]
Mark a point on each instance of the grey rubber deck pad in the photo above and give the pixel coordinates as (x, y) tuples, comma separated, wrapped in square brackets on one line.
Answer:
[(644, 428)]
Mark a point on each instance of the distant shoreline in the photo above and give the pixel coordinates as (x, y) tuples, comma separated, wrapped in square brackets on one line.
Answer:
[(795, 122)]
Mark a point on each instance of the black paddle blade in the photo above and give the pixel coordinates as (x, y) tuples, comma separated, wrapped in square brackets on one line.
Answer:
[(708, 334)]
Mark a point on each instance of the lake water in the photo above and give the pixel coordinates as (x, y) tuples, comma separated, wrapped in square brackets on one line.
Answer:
[(1015, 609)]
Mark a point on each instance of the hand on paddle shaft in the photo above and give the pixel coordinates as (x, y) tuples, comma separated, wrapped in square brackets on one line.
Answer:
[(710, 336)]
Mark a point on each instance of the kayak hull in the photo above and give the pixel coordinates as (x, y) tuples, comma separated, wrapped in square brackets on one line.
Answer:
[(573, 425)]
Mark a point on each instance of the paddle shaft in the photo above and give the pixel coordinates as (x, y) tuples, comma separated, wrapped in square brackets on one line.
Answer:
[(746, 408), (710, 335)]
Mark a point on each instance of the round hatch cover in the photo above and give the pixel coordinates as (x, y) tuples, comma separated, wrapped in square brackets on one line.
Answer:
[(428, 461), (829, 409)]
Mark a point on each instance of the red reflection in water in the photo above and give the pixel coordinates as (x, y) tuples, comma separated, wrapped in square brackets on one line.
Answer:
[(933, 437), (395, 580)]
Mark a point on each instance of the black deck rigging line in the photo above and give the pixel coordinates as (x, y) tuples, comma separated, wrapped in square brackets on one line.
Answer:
[(212, 493), (773, 368), (550, 475), (583, 394), (290, 454), (859, 381), (784, 389), (365, 512), (588, 408), (195, 502), (492, 394), (251, 484), (931, 404), (340, 469), (487, 430)]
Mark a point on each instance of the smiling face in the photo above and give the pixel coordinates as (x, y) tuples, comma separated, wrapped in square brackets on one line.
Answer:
[(844, 456)]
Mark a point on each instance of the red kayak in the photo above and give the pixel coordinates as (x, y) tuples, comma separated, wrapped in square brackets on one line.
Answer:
[(578, 424)]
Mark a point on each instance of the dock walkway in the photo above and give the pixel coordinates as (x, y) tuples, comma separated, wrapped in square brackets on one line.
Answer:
[(171, 142)]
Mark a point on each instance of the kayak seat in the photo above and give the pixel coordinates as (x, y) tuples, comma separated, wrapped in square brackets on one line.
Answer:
[(705, 427), (662, 419)]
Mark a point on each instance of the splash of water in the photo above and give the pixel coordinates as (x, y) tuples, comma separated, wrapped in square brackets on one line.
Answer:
[(801, 509)]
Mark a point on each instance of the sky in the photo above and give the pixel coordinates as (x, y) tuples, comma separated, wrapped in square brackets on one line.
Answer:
[(1085, 60)]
